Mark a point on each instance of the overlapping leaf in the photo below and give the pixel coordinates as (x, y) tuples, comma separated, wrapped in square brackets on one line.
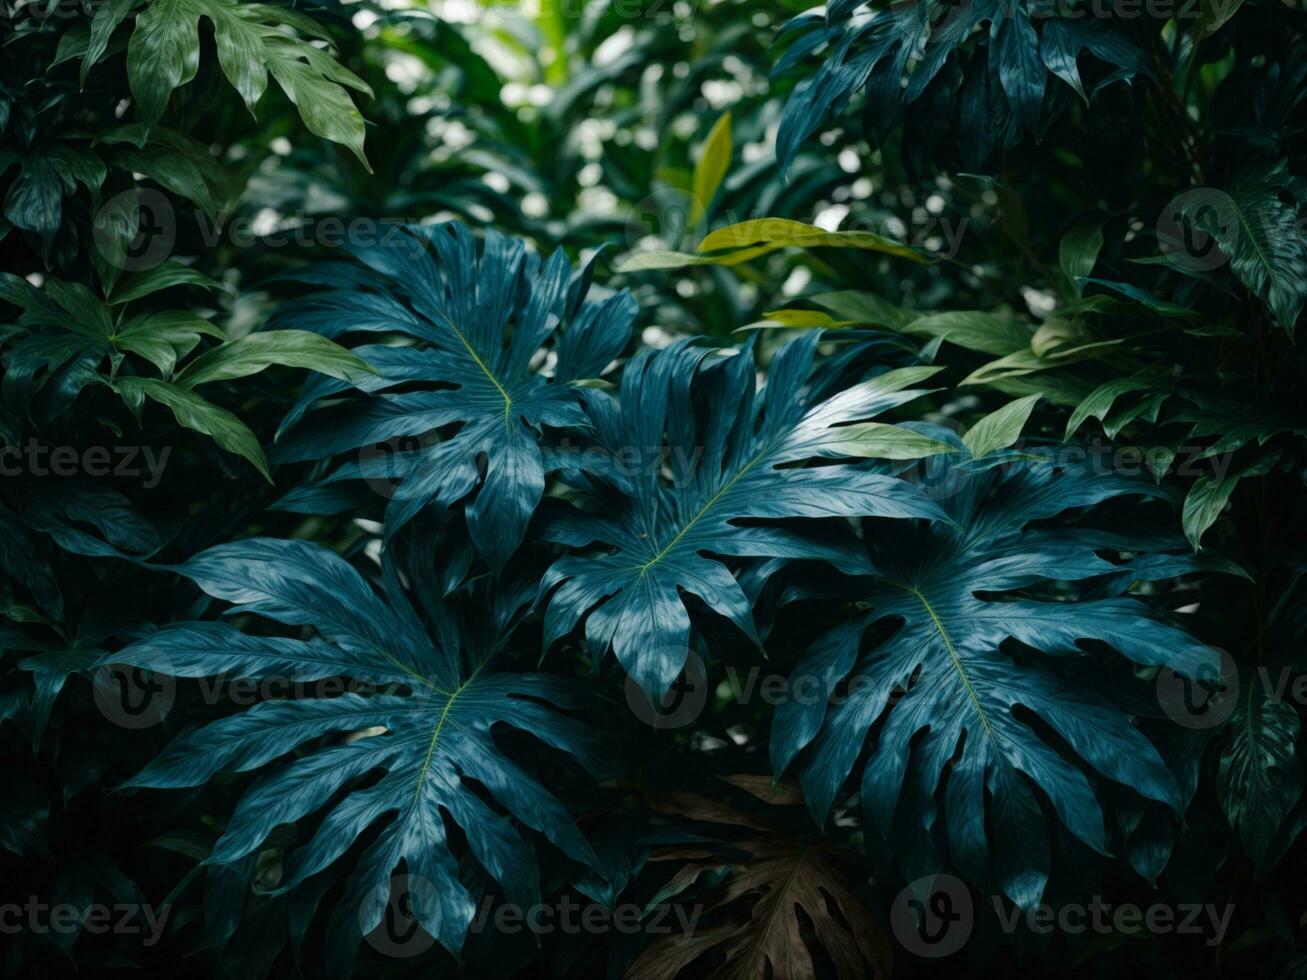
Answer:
[(252, 40), (982, 730), (425, 724), (480, 325), (782, 881), (68, 334), (733, 456), (898, 53)]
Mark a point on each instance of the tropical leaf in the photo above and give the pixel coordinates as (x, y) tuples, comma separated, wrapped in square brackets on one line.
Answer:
[(765, 898), (747, 240), (1261, 232), (483, 324), (736, 462), (252, 40), (1260, 778), (1001, 428), (962, 724), (898, 53), (710, 171), (425, 717)]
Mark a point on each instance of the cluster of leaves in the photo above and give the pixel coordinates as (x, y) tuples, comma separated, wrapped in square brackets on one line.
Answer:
[(1158, 318), (117, 353), (674, 500), (507, 462)]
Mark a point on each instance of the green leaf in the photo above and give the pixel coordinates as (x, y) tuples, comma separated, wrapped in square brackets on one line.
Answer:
[(34, 201), (1140, 296), (883, 441), (162, 276), (921, 684), (774, 233), (1204, 503), (165, 337), (1001, 428), (104, 21), (440, 702), (88, 314), (989, 333), (860, 307), (714, 160), (288, 348), (164, 52), (176, 162), (1100, 401), (1021, 72), (1210, 493), (1262, 235), (193, 412), (1260, 779), (1078, 251)]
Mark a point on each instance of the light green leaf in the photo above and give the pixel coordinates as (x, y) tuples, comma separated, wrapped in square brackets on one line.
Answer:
[(805, 319), (850, 304), (989, 333), (1000, 429), (786, 233), (747, 240), (711, 169), (883, 441), (164, 338)]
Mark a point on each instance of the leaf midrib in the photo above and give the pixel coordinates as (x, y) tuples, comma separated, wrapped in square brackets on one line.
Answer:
[(703, 511), (503, 392), (438, 727), (957, 662)]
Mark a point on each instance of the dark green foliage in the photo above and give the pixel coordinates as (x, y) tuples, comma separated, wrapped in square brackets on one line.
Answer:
[(908, 395)]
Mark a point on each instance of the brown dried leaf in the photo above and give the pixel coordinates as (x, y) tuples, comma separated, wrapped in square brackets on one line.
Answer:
[(766, 893)]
